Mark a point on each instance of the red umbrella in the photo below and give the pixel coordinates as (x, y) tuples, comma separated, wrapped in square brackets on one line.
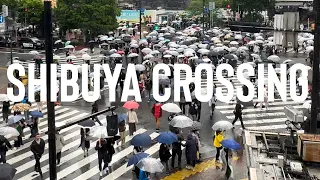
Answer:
[(131, 105), (120, 52)]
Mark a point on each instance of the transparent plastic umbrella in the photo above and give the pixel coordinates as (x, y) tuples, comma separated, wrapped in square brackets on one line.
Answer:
[(181, 121), (171, 107), (224, 125), (150, 165)]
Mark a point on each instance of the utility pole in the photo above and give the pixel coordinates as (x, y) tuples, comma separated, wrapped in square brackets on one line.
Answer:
[(50, 105), (315, 77), (203, 9), (140, 14)]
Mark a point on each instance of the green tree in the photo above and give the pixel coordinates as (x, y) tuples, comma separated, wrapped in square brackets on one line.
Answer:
[(196, 6), (34, 14), (96, 17), (13, 7)]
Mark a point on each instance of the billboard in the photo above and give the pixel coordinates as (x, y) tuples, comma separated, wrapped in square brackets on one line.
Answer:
[(133, 16)]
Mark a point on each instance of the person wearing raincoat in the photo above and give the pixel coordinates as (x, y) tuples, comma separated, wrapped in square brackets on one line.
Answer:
[(157, 113), (218, 138), (164, 154), (191, 151)]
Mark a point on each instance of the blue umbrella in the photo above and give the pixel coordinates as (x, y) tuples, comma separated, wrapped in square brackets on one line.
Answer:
[(167, 138), (122, 117), (36, 114), (15, 119), (136, 158), (231, 144), (143, 140)]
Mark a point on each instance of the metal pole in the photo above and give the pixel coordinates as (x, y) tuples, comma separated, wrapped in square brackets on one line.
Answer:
[(315, 77), (203, 4), (11, 56), (50, 105), (140, 26), (209, 19)]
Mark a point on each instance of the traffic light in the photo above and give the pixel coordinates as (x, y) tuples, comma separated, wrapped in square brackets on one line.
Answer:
[(228, 6)]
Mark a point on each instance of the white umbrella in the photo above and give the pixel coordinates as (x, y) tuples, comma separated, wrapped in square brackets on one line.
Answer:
[(56, 57), (154, 52), (134, 45), (140, 67), (309, 49), (174, 53), (84, 50), (167, 56), (307, 104), (151, 165), (69, 47), (86, 57), (288, 61), (146, 50), (100, 132), (115, 55), (4, 97), (181, 121), (251, 43), (203, 51), (148, 56), (71, 57), (180, 56), (234, 43), (238, 36), (144, 62), (274, 58), (34, 52), (171, 107), (206, 60), (162, 77), (233, 49), (223, 125), (133, 55), (244, 48), (258, 42), (9, 131)]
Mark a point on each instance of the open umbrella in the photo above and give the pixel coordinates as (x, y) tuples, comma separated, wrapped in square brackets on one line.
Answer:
[(140, 67), (131, 105), (133, 55), (86, 57), (21, 107), (167, 138), (274, 58), (307, 104), (14, 119), (9, 131), (87, 124), (100, 132), (224, 125), (36, 114), (143, 140), (115, 55), (7, 171), (69, 47), (181, 121), (122, 117), (171, 107), (230, 144), (151, 165), (136, 158)]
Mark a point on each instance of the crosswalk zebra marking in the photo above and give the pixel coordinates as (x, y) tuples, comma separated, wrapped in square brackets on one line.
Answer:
[(261, 121)]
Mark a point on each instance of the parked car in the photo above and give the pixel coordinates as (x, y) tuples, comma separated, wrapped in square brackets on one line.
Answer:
[(31, 43)]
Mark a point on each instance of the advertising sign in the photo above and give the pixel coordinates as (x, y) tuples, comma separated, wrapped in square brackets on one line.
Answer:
[(133, 16)]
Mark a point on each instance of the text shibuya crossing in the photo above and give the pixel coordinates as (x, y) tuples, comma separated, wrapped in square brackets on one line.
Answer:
[(131, 87)]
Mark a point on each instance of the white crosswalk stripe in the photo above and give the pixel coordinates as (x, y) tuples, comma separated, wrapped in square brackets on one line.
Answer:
[(73, 165), (272, 119)]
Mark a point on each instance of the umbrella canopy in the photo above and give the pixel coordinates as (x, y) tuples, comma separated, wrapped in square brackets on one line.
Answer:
[(86, 57), (196, 126), (9, 131), (230, 144), (136, 158), (115, 55), (87, 124), (150, 165), (274, 58), (69, 47), (7, 171), (4, 97), (167, 138), (181, 121), (14, 119), (36, 114), (143, 140), (288, 61), (224, 125), (171, 107), (34, 52), (133, 55), (21, 107), (131, 105), (140, 67), (146, 50), (122, 117), (100, 132)]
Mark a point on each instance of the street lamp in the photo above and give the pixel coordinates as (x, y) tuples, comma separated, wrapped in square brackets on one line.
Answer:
[(50, 105)]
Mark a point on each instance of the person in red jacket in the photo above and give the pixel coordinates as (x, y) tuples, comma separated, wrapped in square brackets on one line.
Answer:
[(157, 113)]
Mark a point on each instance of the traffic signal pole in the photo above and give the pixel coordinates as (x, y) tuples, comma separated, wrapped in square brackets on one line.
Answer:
[(203, 9), (140, 14), (315, 77), (50, 105)]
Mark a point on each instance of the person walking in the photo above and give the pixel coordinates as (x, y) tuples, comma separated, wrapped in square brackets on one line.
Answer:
[(132, 119), (176, 149), (148, 87), (157, 113), (59, 145), (164, 155), (33, 125), (122, 132), (85, 141), (218, 138), (38, 100), (4, 146), (191, 151), (5, 110), (238, 114), (212, 104), (95, 110), (37, 148), (193, 110), (182, 102), (18, 140), (102, 149)]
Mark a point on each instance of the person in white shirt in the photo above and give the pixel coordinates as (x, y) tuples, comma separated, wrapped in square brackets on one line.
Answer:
[(132, 119), (212, 104)]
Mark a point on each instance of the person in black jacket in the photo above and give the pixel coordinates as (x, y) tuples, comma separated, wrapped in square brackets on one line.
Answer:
[(105, 151), (148, 87), (37, 148), (95, 110), (122, 77), (176, 149), (4, 146), (164, 154), (238, 114), (5, 110)]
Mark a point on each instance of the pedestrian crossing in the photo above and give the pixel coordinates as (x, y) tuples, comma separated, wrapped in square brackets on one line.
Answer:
[(258, 119), (73, 164)]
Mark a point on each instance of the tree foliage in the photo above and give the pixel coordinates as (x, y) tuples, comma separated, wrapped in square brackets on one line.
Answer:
[(94, 17), (34, 13), (196, 6)]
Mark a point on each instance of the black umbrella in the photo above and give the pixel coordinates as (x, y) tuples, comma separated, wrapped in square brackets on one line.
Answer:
[(119, 41), (229, 56), (7, 172), (187, 43), (213, 54), (87, 123), (223, 52)]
